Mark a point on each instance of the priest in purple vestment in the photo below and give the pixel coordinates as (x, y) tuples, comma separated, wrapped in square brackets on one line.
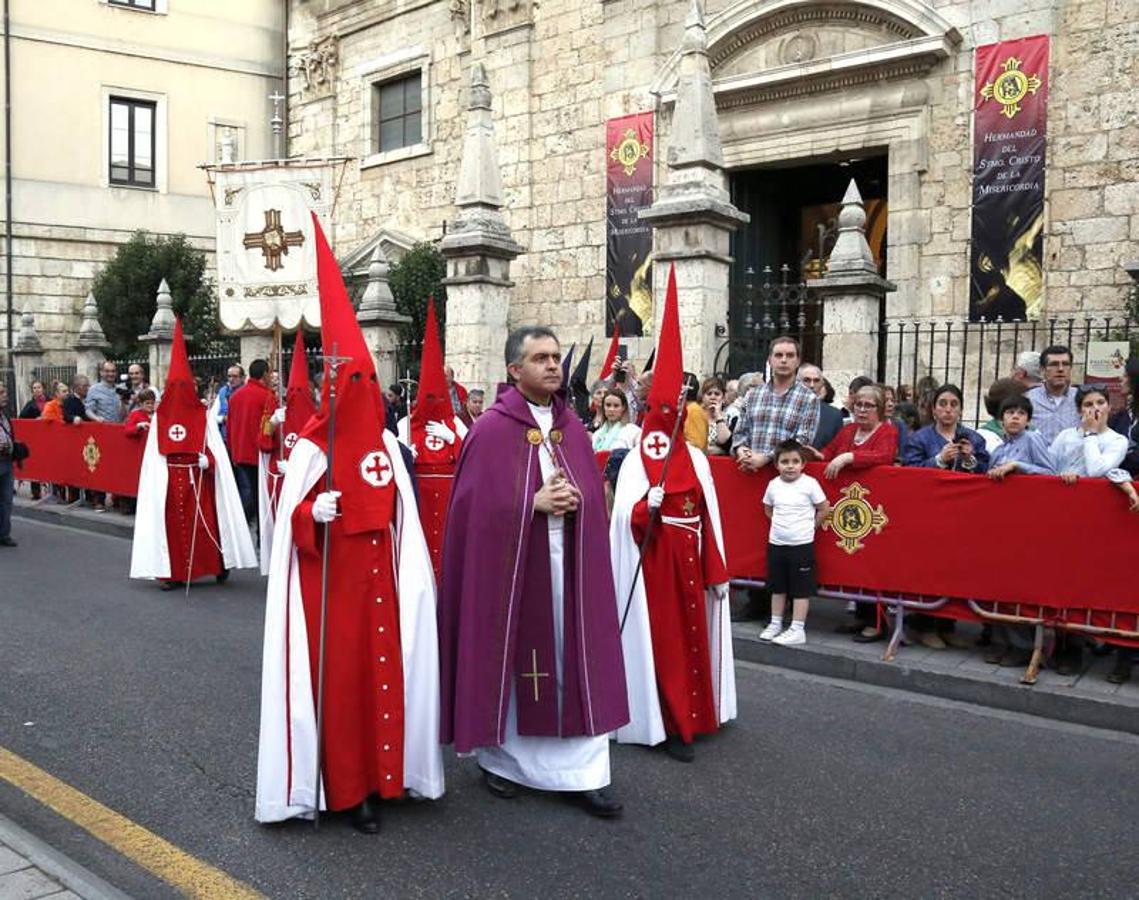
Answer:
[(532, 680)]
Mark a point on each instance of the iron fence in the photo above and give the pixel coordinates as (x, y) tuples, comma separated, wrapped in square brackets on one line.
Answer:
[(763, 308), (50, 375), (973, 355)]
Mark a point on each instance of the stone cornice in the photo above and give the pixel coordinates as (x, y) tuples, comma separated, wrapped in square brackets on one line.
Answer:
[(922, 33), (350, 18)]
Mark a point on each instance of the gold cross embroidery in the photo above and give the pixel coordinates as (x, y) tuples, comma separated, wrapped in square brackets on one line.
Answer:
[(273, 241), (689, 506), (534, 673)]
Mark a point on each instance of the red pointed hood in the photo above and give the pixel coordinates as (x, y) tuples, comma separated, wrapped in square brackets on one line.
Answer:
[(299, 404), (664, 405), (611, 353), (361, 468), (433, 401), (181, 417)]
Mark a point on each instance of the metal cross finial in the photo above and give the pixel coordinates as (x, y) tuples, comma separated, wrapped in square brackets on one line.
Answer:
[(334, 360), (277, 122)]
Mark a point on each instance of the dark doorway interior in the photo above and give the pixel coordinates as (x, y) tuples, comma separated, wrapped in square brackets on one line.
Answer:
[(793, 209)]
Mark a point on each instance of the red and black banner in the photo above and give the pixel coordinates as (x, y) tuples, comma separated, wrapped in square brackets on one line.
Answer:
[(1009, 128), (628, 240)]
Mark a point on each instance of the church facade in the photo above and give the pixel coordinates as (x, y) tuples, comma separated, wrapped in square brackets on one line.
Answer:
[(807, 95)]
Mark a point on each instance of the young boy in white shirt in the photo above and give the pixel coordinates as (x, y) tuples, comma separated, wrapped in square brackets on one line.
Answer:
[(796, 506)]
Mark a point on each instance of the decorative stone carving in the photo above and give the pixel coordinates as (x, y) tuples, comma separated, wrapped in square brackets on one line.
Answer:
[(162, 325), (460, 12), (797, 48), (317, 65), (851, 251), (90, 331), (27, 339), (502, 15)]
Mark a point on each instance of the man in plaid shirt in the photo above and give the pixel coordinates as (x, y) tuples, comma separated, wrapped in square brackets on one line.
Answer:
[(776, 411)]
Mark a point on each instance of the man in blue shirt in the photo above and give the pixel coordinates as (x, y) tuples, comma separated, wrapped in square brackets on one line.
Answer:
[(234, 379), (1054, 401)]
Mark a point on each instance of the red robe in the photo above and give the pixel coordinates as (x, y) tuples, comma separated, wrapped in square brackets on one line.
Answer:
[(192, 521), (678, 568), (363, 739), (433, 482)]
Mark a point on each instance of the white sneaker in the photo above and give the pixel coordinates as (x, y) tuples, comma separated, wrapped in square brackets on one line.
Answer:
[(769, 632), (792, 637)]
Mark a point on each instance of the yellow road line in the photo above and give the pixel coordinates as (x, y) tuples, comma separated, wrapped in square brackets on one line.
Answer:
[(187, 874)]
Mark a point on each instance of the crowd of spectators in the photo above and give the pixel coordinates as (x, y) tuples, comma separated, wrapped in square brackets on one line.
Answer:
[(1039, 422)]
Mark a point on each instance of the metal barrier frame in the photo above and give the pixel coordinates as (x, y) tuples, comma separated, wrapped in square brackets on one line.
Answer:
[(897, 606)]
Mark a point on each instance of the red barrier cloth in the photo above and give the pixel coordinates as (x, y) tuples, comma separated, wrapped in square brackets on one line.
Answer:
[(95, 455), (1029, 539)]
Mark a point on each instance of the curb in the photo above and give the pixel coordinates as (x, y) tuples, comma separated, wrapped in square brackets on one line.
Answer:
[(1030, 700), (57, 866), (110, 524)]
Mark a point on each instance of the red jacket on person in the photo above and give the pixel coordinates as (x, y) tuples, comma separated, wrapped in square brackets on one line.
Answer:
[(878, 450), (249, 411)]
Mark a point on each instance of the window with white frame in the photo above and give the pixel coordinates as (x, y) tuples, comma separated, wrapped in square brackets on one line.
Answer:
[(132, 142), (134, 4), (397, 115)]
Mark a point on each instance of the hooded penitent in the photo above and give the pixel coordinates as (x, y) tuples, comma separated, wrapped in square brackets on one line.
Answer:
[(299, 405), (360, 464), (664, 405), (181, 418), (433, 402)]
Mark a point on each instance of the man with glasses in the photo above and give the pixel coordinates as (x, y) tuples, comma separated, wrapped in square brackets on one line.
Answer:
[(137, 384), (830, 419), (234, 379), (1054, 401)]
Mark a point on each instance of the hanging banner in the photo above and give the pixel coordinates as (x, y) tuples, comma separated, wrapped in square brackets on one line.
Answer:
[(265, 254), (628, 240), (1009, 130)]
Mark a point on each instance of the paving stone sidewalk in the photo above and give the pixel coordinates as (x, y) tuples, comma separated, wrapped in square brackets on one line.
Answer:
[(31, 870)]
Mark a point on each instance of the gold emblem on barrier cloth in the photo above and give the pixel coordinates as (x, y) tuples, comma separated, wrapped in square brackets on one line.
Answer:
[(91, 454), (852, 518), (1010, 87)]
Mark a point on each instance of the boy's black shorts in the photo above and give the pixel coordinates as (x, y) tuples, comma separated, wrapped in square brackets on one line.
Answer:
[(791, 569)]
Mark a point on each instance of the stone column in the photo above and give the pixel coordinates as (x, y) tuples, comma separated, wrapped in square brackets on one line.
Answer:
[(91, 346), (258, 345), (478, 248), (693, 217), (851, 293), (380, 320), (160, 337), (27, 356)]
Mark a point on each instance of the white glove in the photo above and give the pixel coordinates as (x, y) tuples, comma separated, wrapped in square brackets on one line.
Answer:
[(721, 591), (142, 426), (656, 497), (414, 452), (441, 431), (278, 417), (325, 507), (281, 466), (203, 461)]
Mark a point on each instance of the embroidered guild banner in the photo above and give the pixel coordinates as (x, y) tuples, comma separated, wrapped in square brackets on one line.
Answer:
[(265, 254), (628, 240), (1009, 127)]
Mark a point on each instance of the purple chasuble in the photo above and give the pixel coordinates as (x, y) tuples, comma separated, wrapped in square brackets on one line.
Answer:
[(495, 604)]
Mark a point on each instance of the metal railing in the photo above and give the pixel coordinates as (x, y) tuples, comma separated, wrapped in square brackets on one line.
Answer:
[(973, 355)]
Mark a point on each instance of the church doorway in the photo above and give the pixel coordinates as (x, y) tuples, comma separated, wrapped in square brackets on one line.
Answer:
[(794, 209)]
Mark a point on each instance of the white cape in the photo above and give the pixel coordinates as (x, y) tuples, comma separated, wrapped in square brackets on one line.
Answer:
[(150, 552), (646, 725), (288, 714), (267, 513)]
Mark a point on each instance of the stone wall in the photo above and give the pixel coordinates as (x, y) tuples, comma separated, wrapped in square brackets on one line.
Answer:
[(558, 70), (52, 270)]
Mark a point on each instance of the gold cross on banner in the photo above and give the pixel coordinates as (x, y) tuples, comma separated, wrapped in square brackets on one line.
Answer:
[(534, 673), (273, 241), (689, 506)]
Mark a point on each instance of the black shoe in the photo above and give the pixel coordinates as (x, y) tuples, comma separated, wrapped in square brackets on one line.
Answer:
[(173, 585), (848, 628), (501, 787), (1122, 671), (222, 576), (985, 639), (366, 816), (869, 635), (680, 751), (7, 542), (995, 654), (1069, 663), (600, 803)]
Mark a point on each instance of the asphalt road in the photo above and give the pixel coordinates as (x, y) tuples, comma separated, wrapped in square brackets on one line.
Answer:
[(148, 702)]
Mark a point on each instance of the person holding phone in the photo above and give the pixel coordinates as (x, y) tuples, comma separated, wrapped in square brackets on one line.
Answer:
[(946, 443)]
